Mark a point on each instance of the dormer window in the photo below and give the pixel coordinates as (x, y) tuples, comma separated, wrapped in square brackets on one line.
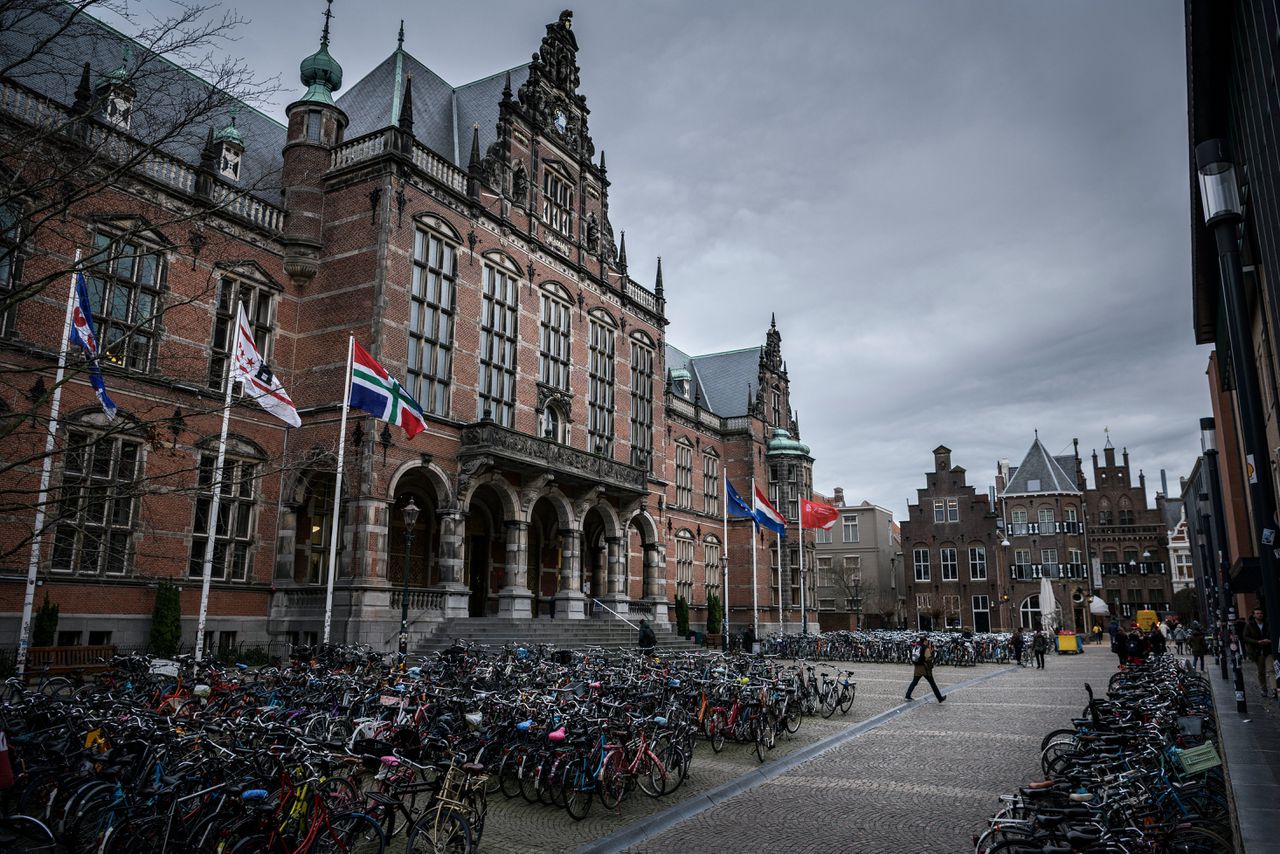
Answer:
[(230, 151), (116, 95)]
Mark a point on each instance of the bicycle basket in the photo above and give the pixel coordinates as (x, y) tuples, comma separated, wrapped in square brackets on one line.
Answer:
[(1197, 760)]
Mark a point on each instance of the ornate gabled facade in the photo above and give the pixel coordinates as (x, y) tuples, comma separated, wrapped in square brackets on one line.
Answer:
[(1042, 510), (463, 236), (1128, 539), (950, 548)]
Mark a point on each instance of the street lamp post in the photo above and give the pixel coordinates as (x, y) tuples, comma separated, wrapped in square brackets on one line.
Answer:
[(1223, 211), (410, 512), (1228, 643)]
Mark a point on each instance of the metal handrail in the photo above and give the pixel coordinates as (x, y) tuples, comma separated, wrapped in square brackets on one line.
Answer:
[(615, 613)]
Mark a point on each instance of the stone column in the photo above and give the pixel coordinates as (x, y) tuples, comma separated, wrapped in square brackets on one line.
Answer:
[(515, 601), (569, 600), (453, 527), (655, 581), (599, 573), (615, 595)]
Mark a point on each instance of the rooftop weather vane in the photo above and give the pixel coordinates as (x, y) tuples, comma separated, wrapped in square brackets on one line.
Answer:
[(328, 13)]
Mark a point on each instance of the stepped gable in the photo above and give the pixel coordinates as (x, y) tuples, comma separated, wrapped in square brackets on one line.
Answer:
[(162, 89), (1040, 473)]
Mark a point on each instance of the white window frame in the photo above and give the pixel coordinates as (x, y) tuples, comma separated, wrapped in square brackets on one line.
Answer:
[(920, 563), (977, 563)]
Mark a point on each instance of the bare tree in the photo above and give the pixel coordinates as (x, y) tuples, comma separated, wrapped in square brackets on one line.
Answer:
[(88, 115)]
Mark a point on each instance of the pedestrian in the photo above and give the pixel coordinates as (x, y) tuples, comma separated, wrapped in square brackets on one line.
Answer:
[(1039, 644), (1113, 628), (922, 658), (1180, 639), (1097, 633), (1017, 646), (749, 639), (1196, 641), (1157, 640), (1257, 645), (1137, 645), (1119, 642), (647, 639)]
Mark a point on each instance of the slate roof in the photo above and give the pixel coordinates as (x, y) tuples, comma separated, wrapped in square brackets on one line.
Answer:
[(1040, 473), (442, 114), (722, 378), (163, 89)]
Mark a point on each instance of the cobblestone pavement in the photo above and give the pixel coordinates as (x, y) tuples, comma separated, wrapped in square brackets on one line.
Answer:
[(515, 826), (924, 781)]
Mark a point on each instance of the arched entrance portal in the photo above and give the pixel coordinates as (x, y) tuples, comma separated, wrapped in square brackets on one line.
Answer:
[(422, 568), (545, 555), (646, 566), (485, 551)]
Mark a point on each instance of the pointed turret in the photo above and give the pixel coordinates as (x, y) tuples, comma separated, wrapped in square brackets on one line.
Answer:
[(406, 107), (506, 88), (603, 168), (622, 253), (84, 94), (320, 72), (657, 285)]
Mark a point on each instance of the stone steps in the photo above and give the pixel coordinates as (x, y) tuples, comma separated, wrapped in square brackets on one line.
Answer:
[(564, 634)]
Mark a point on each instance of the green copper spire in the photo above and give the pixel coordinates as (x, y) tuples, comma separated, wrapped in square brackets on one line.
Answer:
[(320, 72)]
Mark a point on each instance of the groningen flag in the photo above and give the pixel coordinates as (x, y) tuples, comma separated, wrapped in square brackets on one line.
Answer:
[(381, 395)]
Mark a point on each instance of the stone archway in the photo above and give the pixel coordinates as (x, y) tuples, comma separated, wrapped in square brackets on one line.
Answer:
[(646, 579)]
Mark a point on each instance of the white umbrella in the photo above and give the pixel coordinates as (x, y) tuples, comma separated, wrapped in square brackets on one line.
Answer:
[(1098, 607), (1048, 606)]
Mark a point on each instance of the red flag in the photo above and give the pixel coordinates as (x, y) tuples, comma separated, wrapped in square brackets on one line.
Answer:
[(815, 515)]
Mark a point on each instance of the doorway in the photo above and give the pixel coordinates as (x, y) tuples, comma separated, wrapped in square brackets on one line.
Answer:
[(478, 574)]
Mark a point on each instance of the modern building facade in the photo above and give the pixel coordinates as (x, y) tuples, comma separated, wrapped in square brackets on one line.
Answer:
[(859, 563), (951, 545), (463, 236), (1231, 53)]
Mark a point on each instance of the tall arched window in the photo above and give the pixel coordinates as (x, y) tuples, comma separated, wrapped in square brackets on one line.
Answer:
[(1126, 511), (684, 563), (684, 474), (498, 337), (642, 350), (600, 383), (710, 483), (10, 262), (554, 354), (1030, 611), (431, 311), (711, 564)]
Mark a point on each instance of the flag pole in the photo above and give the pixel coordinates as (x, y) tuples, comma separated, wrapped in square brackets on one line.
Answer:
[(211, 525), (778, 536), (724, 555), (755, 599), (804, 615), (337, 493), (46, 471)]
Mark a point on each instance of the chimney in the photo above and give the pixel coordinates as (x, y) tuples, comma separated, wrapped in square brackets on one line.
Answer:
[(837, 496), (1164, 482)]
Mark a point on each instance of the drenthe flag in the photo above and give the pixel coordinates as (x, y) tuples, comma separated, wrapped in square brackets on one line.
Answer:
[(82, 333), (248, 366), (379, 394)]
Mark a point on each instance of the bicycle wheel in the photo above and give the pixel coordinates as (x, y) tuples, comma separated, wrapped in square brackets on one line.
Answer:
[(652, 776), (445, 832), (350, 833), (509, 775), (22, 834), (1197, 840), (612, 783), (530, 770), (676, 760), (58, 687), (846, 698), (577, 794), (716, 727), (761, 729), (830, 701), (254, 843), (794, 717)]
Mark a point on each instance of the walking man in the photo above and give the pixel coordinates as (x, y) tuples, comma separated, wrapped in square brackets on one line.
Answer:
[(1258, 646), (1198, 646), (1017, 646), (1039, 644), (923, 660)]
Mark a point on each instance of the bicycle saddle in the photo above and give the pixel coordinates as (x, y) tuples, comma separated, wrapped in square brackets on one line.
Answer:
[(556, 736), (523, 726)]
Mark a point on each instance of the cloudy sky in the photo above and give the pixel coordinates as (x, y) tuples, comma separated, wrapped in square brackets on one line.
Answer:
[(970, 217)]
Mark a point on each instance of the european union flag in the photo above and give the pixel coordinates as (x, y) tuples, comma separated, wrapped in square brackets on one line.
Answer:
[(735, 505)]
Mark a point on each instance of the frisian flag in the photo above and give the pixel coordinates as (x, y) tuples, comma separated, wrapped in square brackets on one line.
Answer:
[(82, 333), (381, 395)]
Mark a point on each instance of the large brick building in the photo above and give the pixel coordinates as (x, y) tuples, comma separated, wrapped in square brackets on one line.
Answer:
[(950, 544), (463, 235)]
